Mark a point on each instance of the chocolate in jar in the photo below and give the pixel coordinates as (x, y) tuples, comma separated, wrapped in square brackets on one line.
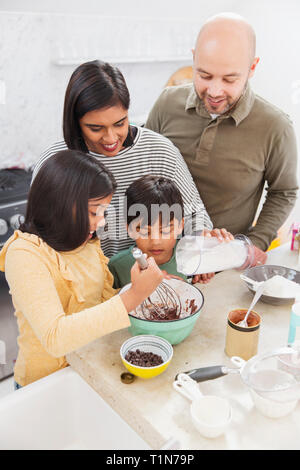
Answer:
[(235, 316)]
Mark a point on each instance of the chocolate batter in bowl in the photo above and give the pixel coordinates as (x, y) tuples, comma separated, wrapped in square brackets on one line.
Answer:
[(173, 327)]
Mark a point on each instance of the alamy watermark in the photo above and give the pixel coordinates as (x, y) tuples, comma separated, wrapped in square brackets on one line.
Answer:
[(121, 219)]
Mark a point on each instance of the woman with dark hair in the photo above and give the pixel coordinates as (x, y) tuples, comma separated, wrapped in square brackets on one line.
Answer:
[(96, 121), (57, 273)]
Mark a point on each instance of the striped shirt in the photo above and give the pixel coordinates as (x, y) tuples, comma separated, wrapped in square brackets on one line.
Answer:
[(152, 154)]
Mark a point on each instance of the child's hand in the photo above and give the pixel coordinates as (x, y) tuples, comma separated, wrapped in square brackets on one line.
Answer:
[(144, 282), (202, 278), (170, 276)]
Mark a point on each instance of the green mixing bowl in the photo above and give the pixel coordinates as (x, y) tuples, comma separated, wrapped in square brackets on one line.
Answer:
[(173, 331)]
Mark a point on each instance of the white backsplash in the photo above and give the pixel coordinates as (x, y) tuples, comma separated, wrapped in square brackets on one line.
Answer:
[(32, 84), (39, 51)]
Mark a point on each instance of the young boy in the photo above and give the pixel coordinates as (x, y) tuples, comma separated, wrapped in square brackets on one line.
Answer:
[(155, 220)]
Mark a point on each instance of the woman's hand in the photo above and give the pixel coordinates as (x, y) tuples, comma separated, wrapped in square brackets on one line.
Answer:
[(223, 236), (144, 282)]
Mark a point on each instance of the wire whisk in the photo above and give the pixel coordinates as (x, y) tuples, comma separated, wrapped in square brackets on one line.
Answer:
[(164, 303)]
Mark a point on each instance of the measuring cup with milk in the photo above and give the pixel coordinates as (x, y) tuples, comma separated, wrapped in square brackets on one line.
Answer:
[(201, 255)]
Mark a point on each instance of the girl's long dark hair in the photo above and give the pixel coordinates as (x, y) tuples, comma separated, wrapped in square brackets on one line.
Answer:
[(57, 207), (93, 85)]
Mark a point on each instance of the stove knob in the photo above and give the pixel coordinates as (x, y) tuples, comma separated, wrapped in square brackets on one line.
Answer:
[(16, 220), (3, 227)]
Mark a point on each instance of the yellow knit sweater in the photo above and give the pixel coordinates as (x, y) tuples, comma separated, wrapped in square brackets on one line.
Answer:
[(62, 301)]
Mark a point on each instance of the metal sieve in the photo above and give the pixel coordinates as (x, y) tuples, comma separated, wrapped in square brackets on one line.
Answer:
[(261, 373)]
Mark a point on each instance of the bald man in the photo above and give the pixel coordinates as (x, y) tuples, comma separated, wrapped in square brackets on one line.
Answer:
[(232, 140)]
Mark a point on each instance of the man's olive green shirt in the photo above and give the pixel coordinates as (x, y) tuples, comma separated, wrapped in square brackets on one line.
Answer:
[(231, 157)]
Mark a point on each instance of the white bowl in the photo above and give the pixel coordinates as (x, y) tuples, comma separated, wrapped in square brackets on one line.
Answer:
[(265, 272)]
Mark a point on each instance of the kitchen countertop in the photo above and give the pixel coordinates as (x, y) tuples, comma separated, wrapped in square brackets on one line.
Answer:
[(158, 413)]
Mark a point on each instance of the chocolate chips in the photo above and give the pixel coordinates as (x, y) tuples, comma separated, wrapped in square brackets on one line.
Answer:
[(143, 359)]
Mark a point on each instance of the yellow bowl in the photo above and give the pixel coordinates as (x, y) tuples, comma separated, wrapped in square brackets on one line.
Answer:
[(147, 343)]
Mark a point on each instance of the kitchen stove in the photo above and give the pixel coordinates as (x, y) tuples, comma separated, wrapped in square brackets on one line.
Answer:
[(14, 187)]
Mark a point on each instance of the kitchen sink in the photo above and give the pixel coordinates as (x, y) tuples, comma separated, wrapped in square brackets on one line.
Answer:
[(61, 411)]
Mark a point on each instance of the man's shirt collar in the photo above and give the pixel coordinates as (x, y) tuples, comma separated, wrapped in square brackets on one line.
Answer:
[(239, 112)]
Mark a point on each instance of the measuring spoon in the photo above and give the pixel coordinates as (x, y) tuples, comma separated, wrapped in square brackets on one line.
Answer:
[(257, 296)]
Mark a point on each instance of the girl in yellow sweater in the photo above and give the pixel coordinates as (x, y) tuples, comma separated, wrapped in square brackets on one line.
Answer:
[(57, 273)]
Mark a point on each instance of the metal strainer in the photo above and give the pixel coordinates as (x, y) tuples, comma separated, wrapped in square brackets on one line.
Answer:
[(262, 374), (163, 303)]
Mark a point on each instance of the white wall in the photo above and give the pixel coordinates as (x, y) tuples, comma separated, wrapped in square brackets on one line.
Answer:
[(131, 8), (277, 77), (35, 33), (31, 117)]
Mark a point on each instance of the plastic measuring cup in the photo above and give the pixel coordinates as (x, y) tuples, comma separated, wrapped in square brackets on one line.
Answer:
[(210, 414), (199, 255)]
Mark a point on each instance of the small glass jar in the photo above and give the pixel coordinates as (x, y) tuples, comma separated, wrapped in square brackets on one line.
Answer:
[(201, 255)]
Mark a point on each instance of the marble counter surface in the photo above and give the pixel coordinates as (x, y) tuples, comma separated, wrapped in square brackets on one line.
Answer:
[(158, 413)]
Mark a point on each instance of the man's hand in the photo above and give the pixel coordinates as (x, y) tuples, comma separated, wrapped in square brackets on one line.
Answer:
[(220, 233), (260, 257)]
